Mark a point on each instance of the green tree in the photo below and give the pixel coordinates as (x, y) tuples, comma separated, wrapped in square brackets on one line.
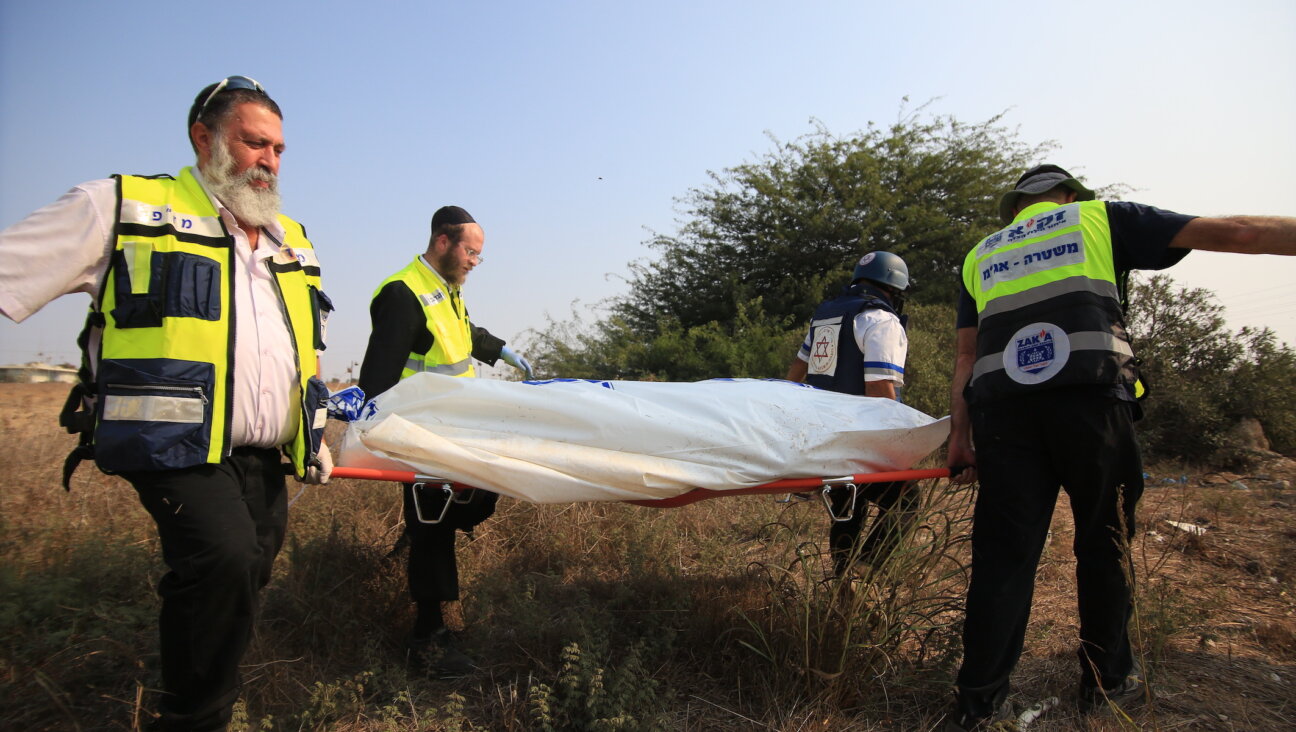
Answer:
[(930, 363), (1264, 386), (1185, 352), (753, 345), (730, 294), (1202, 380), (788, 227)]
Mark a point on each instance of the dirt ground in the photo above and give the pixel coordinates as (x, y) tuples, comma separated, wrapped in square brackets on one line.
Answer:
[(1215, 625), (1216, 618)]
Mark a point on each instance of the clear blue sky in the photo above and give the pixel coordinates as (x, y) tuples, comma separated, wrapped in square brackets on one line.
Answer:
[(568, 129)]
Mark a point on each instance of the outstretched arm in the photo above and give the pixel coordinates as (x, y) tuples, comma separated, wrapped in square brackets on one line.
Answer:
[(1239, 234)]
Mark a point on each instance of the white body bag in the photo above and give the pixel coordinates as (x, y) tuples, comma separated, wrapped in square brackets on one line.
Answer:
[(570, 440)]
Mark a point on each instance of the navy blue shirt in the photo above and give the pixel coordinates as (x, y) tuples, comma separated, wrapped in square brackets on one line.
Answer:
[(1141, 237)]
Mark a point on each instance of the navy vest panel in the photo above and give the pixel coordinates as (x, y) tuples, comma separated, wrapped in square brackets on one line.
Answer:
[(848, 376)]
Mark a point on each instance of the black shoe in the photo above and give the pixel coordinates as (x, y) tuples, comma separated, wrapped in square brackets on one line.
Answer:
[(1093, 698), (960, 721), (437, 656)]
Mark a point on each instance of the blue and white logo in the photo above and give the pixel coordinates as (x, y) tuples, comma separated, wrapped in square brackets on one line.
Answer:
[(1036, 353)]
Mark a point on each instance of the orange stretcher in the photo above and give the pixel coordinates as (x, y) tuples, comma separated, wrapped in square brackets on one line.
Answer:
[(787, 485)]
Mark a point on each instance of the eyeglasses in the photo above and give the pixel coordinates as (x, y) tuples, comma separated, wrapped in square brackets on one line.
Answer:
[(231, 82), (471, 253)]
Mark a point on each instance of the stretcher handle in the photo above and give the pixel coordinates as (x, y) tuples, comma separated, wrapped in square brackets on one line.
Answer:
[(793, 485), (399, 476), (826, 494), (445, 507)]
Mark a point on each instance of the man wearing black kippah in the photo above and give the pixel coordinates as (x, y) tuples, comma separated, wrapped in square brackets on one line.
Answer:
[(420, 324)]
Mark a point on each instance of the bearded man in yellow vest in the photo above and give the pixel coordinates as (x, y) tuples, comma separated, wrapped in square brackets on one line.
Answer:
[(200, 370), (420, 324), (1043, 397)]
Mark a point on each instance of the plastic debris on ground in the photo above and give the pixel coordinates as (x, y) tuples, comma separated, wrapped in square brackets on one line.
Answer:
[(1035, 711), (1187, 528)]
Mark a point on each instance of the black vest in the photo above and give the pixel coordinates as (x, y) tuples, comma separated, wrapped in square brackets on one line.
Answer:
[(839, 314)]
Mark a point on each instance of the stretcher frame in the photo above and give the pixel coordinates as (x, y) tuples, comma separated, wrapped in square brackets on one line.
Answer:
[(787, 485)]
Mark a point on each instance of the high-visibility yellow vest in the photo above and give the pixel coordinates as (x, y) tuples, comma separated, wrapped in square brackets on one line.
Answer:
[(164, 365), (447, 321), (1048, 305)]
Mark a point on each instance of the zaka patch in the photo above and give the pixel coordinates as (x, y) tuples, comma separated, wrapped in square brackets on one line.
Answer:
[(1036, 353)]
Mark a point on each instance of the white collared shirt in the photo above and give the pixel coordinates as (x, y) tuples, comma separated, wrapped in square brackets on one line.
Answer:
[(65, 247)]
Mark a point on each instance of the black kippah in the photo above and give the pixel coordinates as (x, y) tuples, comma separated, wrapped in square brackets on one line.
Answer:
[(451, 216)]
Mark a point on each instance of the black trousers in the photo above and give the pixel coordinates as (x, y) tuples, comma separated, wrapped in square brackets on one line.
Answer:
[(895, 502), (433, 570), (1026, 449), (220, 527)]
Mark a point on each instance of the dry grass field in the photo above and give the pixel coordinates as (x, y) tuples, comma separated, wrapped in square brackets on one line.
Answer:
[(715, 616)]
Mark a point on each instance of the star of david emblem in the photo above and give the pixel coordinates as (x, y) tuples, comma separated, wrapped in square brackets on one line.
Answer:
[(823, 352)]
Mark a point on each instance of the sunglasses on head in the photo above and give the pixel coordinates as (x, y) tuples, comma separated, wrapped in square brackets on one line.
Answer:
[(231, 82)]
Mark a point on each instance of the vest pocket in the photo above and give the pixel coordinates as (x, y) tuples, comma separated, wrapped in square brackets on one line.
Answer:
[(151, 285), (192, 287), (315, 413), (137, 286), (154, 414), (321, 306)]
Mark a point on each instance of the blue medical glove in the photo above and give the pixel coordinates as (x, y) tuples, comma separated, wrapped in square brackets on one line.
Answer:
[(345, 405), (512, 359)]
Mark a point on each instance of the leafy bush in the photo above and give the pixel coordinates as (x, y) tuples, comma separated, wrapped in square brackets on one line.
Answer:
[(789, 226), (930, 364), (1201, 379), (587, 696), (1263, 385), (766, 241)]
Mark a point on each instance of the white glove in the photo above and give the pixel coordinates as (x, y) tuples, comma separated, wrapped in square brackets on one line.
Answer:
[(320, 475), (513, 359)]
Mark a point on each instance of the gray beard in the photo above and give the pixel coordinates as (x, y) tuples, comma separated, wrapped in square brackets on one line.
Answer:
[(251, 206)]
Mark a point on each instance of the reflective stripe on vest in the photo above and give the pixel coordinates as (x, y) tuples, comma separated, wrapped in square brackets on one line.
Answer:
[(1047, 303), (1086, 341), (163, 367), (451, 351), (420, 365)]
